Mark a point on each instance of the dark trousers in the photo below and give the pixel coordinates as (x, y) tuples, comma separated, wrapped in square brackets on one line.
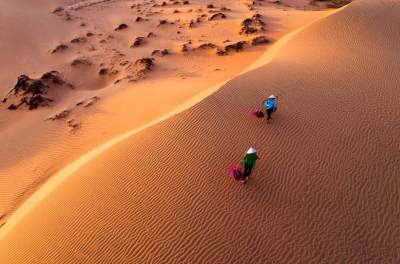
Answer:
[(269, 113), (247, 170)]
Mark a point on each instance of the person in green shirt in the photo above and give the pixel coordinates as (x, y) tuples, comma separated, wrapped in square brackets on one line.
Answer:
[(249, 162)]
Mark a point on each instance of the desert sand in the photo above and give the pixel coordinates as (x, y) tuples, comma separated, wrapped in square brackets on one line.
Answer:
[(156, 190), (96, 108)]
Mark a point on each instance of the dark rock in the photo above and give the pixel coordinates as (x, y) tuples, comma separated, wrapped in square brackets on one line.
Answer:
[(221, 52), (121, 27), (151, 34), (139, 19), (138, 42), (36, 100), (12, 107), (207, 46), (61, 115), (217, 16), (103, 71), (185, 2), (163, 22), (59, 48), (252, 25), (185, 47), (261, 40), (210, 6), (53, 76), (140, 68), (144, 64), (81, 61), (58, 9), (79, 40), (238, 46), (225, 9), (91, 101), (337, 3), (161, 53), (73, 124), (27, 85), (30, 92), (89, 34)]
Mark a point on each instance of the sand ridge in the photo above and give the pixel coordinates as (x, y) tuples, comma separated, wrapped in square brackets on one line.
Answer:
[(324, 191)]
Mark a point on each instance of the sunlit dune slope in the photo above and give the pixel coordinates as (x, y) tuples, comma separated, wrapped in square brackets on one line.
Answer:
[(326, 189), (105, 100)]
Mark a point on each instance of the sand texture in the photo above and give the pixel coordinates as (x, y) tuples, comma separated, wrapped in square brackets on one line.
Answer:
[(326, 189), (110, 94)]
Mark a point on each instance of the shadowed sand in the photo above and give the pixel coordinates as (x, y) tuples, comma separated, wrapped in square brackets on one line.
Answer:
[(324, 191)]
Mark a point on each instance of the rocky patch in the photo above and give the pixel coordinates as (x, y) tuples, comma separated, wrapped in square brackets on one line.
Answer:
[(91, 101), (165, 22), (73, 124), (238, 46), (205, 46), (185, 47), (61, 115), (337, 3), (252, 25), (140, 68), (32, 92), (160, 53)]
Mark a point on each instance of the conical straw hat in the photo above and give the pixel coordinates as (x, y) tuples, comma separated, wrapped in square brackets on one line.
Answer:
[(251, 151)]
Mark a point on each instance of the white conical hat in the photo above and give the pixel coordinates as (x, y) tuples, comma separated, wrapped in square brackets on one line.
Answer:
[(251, 151), (272, 96)]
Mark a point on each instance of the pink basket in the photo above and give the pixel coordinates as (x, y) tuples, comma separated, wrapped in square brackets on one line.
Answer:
[(257, 113), (235, 172)]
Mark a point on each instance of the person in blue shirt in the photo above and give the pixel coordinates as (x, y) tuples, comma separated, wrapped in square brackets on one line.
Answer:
[(271, 105)]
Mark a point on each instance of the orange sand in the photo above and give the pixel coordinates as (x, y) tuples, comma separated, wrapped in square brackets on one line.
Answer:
[(325, 189), (34, 149)]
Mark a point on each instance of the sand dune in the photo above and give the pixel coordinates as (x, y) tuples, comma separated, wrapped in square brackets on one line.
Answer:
[(37, 144), (324, 191)]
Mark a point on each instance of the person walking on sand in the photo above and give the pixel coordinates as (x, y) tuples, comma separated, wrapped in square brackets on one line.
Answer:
[(249, 162), (271, 105)]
